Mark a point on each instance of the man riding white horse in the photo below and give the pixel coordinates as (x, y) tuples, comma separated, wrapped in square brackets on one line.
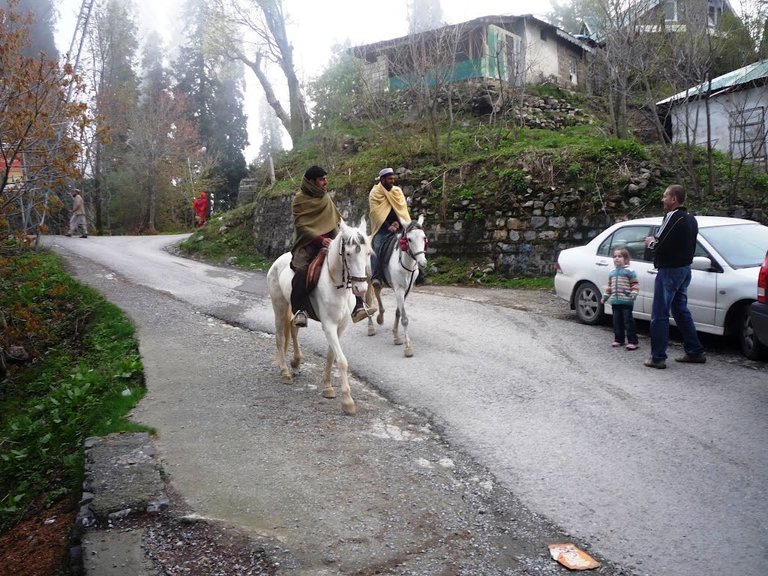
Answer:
[(388, 211), (315, 223)]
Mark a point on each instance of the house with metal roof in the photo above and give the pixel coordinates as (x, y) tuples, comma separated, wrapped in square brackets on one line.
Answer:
[(658, 16), (729, 112), (514, 50)]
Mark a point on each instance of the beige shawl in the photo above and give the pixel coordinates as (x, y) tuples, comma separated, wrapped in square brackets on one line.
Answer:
[(381, 201)]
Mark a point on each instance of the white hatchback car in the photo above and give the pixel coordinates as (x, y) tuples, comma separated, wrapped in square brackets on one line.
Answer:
[(728, 256)]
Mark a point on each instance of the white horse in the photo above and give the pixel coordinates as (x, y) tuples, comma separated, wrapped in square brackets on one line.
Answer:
[(400, 273), (343, 276)]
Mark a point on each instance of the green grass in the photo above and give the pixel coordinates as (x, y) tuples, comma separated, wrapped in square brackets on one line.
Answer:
[(452, 271), (82, 377)]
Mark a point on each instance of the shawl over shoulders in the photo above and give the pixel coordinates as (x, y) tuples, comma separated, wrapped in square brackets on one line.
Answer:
[(381, 201), (313, 216)]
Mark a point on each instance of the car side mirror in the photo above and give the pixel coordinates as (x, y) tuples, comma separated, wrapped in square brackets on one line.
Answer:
[(702, 263)]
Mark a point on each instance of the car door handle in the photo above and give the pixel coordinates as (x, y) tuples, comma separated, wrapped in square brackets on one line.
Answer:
[(598, 263), (653, 271)]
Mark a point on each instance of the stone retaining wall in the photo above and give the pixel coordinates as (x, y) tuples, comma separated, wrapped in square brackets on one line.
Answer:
[(523, 240)]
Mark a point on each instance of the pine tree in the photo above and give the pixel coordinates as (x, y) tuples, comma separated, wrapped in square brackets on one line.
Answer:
[(113, 52), (214, 87), (424, 15), (41, 38), (763, 50)]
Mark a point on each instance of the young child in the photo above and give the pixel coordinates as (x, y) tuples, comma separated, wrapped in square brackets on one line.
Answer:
[(621, 291)]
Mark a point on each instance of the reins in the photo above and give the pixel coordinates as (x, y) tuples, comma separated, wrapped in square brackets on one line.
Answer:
[(410, 253), (346, 277)]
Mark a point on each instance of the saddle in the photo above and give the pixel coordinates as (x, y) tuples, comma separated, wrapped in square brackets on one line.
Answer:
[(315, 269), (383, 255)]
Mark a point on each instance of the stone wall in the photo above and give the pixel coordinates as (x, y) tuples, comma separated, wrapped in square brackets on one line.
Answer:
[(273, 226), (247, 191), (521, 239), (520, 242)]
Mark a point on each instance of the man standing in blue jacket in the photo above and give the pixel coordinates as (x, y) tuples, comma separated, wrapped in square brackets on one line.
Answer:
[(673, 246)]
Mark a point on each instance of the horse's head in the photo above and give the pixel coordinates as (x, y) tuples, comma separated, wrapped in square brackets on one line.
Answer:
[(417, 241), (355, 250)]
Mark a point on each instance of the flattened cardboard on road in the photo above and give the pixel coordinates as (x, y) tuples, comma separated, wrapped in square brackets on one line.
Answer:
[(572, 557)]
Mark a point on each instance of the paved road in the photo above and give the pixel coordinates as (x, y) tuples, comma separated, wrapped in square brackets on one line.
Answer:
[(662, 471)]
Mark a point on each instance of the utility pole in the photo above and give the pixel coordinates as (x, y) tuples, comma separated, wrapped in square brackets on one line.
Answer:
[(78, 37)]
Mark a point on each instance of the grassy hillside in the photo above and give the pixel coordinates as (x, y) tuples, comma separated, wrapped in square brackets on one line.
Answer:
[(547, 143)]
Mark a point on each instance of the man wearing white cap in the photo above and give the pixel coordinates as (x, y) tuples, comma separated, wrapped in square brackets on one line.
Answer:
[(388, 211)]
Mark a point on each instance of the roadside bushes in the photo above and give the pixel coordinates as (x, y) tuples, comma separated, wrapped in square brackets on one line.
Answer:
[(73, 370)]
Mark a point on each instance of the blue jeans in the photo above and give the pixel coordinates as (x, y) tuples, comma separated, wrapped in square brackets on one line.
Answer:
[(670, 295), (624, 322), (378, 240)]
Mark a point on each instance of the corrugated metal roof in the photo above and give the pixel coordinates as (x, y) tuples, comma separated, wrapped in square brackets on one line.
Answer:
[(744, 75), (503, 18)]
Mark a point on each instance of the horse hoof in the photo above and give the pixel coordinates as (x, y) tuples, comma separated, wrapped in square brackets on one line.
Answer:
[(350, 409), (408, 352), (371, 330), (380, 319), (398, 342), (286, 378), (295, 362), (329, 393)]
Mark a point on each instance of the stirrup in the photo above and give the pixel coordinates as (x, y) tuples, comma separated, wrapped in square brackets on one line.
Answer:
[(299, 319)]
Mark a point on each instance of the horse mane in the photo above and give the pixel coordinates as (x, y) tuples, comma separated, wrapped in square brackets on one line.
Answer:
[(352, 235), (411, 225)]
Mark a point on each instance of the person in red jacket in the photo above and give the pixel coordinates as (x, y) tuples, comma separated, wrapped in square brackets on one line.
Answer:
[(200, 206)]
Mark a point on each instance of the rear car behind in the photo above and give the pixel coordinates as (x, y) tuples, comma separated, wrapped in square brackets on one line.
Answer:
[(759, 310)]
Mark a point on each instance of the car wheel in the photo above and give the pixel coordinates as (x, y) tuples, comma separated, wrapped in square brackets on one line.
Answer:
[(589, 308), (751, 347)]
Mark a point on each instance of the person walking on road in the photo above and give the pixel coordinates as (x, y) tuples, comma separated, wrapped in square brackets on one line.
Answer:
[(673, 246), (388, 211), (315, 223), (621, 291), (77, 222)]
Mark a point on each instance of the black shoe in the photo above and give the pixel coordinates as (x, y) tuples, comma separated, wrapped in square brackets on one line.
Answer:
[(68, 235), (84, 236), (651, 363), (688, 359)]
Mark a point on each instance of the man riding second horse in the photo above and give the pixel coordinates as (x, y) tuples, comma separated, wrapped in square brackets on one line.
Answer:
[(388, 211)]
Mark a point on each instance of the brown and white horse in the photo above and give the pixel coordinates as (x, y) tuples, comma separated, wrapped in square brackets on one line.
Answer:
[(343, 277), (400, 273)]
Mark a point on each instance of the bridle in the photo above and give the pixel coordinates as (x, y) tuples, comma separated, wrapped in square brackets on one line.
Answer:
[(346, 277), (411, 225)]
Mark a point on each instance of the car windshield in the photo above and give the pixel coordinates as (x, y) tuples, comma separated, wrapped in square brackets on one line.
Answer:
[(741, 245)]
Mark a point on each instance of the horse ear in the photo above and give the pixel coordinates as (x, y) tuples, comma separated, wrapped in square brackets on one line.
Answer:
[(363, 226), (421, 219)]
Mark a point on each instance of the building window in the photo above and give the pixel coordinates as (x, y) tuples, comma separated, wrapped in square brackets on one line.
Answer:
[(715, 13), (670, 11), (506, 55), (748, 135)]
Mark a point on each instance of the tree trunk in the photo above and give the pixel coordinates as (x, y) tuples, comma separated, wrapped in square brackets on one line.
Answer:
[(97, 203)]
